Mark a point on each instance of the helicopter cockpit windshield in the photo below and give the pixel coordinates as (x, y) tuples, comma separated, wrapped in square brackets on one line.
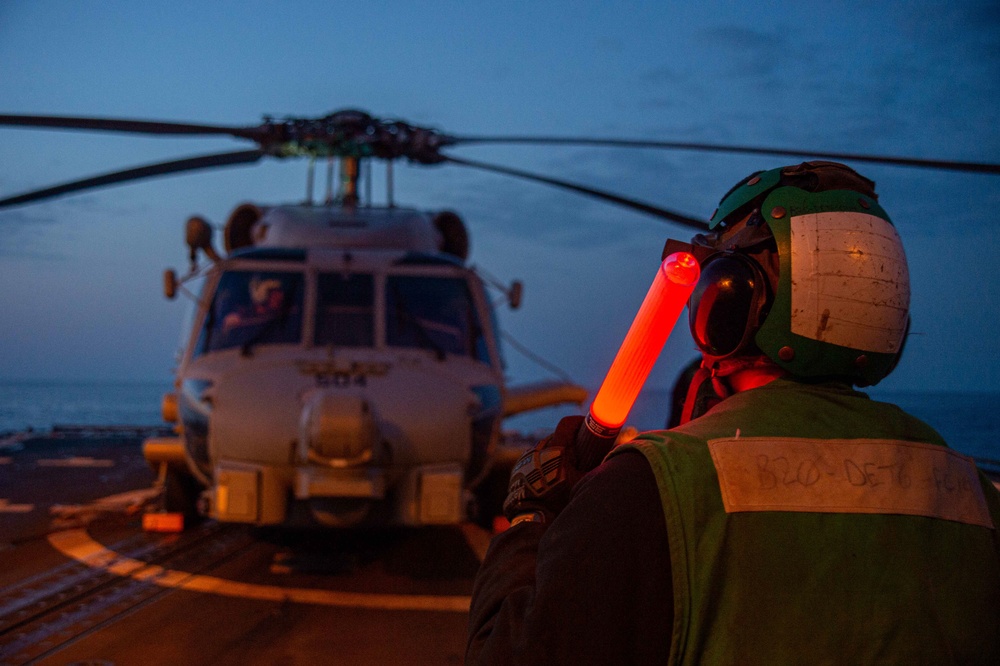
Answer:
[(345, 310), (435, 313), (253, 307)]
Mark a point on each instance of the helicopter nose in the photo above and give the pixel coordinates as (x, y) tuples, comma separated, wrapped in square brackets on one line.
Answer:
[(338, 430)]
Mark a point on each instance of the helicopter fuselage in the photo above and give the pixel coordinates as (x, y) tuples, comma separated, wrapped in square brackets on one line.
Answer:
[(344, 371)]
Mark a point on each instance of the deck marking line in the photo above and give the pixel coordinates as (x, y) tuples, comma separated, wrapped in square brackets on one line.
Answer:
[(76, 461), (78, 545), (7, 507)]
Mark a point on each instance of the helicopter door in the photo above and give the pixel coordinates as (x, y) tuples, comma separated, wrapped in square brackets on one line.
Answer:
[(253, 308)]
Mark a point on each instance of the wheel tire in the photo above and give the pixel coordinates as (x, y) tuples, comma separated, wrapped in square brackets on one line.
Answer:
[(180, 495)]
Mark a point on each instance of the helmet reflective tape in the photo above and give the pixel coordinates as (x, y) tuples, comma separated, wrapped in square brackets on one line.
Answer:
[(843, 311), (728, 304), (850, 282)]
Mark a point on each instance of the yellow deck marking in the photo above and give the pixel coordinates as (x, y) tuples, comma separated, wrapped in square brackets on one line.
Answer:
[(76, 461), (78, 545), (7, 507)]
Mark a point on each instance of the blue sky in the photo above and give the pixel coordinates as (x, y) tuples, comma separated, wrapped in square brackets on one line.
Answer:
[(80, 276)]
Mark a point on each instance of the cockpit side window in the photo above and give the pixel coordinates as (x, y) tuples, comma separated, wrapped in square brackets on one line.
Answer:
[(433, 313), (345, 314), (252, 308)]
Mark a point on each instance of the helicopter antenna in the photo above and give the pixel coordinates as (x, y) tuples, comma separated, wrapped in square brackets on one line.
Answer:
[(368, 182), (328, 200), (310, 177), (389, 185)]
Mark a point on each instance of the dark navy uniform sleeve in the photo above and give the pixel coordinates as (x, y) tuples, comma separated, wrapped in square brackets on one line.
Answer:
[(593, 587)]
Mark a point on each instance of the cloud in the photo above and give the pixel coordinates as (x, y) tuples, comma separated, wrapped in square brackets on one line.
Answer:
[(666, 88), (746, 53), (915, 87), (40, 231), (985, 16), (511, 208), (26, 234), (662, 75)]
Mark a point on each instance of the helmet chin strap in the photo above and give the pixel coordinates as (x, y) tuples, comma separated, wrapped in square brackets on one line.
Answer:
[(718, 379)]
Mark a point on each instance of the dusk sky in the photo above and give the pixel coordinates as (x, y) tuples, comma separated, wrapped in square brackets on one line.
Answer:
[(80, 276)]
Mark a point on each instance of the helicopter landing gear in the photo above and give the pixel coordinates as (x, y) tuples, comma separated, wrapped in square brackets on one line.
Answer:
[(181, 494)]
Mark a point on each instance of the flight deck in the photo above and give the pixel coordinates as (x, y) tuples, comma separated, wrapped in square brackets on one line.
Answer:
[(81, 582)]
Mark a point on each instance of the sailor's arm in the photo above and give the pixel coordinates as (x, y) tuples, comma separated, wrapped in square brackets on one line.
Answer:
[(592, 586)]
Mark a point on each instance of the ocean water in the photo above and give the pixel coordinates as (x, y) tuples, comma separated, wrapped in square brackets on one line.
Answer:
[(969, 422), (39, 405)]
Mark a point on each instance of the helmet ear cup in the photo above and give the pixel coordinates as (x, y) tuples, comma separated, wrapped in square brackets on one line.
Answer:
[(728, 305)]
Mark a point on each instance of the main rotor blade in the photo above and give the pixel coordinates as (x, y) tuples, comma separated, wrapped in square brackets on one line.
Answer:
[(948, 165), (127, 126), (694, 223), (138, 173)]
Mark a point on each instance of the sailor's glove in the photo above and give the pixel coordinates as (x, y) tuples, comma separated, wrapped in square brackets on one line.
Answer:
[(542, 478)]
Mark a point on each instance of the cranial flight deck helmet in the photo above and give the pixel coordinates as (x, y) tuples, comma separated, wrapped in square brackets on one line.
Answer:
[(260, 289), (802, 265)]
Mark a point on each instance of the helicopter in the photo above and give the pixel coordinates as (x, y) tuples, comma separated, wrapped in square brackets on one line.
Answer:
[(343, 363)]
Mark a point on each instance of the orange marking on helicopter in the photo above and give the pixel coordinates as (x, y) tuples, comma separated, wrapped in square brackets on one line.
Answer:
[(78, 545)]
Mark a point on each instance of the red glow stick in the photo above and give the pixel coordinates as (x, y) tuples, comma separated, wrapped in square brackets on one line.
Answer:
[(666, 298)]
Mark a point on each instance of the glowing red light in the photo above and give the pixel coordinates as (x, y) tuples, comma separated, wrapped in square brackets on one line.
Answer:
[(650, 329)]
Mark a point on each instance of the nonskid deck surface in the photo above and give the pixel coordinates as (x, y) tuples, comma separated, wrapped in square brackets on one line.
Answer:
[(81, 582)]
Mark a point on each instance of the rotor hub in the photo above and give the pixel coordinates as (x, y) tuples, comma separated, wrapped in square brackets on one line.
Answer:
[(351, 133)]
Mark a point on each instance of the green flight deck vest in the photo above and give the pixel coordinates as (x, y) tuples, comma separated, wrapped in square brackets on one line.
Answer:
[(809, 524)]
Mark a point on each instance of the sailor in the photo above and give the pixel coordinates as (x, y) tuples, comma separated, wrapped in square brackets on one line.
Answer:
[(267, 298), (796, 520)]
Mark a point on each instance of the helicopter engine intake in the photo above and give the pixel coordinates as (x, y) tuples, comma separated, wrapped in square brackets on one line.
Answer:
[(239, 230)]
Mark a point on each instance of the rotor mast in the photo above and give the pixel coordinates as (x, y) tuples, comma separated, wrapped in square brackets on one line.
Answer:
[(349, 173)]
